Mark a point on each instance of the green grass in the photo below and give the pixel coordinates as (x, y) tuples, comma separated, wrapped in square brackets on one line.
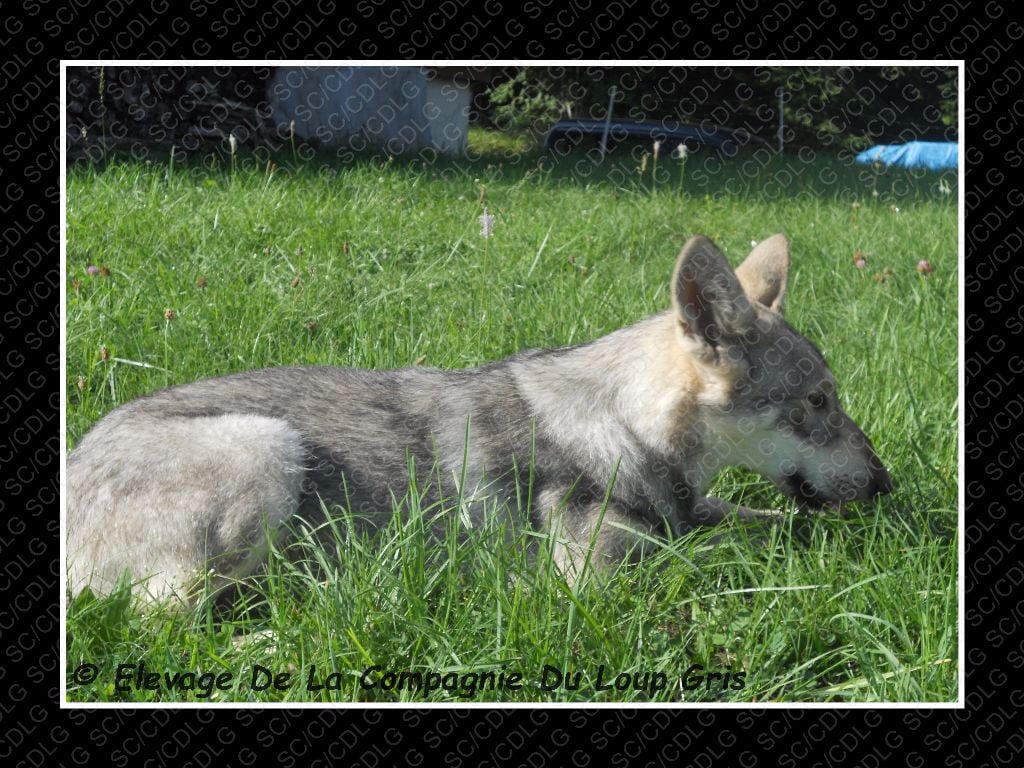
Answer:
[(376, 263)]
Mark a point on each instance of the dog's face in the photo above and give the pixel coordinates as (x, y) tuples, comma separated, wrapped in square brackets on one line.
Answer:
[(805, 442), (777, 411)]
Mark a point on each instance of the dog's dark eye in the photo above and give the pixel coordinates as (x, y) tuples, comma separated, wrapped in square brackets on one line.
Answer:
[(816, 400)]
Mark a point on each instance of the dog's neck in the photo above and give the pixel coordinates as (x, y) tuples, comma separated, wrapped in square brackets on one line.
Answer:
[(629, 400)]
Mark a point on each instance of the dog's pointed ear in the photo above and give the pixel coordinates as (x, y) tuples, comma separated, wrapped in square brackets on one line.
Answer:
[(708, 299), (763, 274)]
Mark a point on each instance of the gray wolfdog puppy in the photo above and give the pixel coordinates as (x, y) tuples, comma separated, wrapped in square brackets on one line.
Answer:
[(619, 435)]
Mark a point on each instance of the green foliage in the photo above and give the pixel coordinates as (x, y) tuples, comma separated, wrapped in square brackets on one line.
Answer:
[(530, 101), (831, 107)]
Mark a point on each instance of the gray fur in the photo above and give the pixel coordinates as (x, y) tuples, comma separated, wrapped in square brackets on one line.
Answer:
[(191, 479)]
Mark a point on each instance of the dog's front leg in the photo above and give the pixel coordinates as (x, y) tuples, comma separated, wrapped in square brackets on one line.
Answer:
[(592, 534), (711, 511)]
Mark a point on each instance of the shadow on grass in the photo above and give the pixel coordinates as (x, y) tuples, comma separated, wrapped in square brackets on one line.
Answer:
[(759, 174)]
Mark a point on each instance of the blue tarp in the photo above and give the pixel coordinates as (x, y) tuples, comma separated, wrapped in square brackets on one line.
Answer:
[(935, 155)]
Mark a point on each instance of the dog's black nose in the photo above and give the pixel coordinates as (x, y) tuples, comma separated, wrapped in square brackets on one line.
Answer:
[(882, 481)]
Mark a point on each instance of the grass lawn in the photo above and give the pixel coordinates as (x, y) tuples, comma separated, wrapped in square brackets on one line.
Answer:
[(210, 268)]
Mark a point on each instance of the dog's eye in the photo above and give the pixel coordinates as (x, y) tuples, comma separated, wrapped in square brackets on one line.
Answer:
[(816, 400)]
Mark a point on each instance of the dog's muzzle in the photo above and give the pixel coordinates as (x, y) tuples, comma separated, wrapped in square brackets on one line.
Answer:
[(882, 483), (804, 492), (800, 489)]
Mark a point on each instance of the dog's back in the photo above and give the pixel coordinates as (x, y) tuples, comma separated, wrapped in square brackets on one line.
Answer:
[(194, 476)]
